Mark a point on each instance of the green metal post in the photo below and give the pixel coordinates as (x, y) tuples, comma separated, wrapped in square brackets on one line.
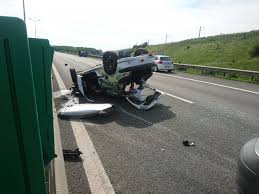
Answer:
[(22, 169)]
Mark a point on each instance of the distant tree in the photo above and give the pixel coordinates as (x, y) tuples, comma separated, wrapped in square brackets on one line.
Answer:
[(143, 45)]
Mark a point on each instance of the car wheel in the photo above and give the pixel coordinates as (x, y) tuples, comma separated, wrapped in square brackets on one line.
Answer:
[(140, 51), (156, 68), (169, 71), (110, 62), (73, 75)]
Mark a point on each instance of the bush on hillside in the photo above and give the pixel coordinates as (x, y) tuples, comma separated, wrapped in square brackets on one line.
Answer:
[(143, 45), (255, 51)]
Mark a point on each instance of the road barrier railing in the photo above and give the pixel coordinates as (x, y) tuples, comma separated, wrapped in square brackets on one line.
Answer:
[(224, 71), (27, 136), (209, 69)]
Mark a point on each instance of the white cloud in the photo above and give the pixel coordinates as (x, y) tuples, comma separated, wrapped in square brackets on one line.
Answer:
[(116, 24)]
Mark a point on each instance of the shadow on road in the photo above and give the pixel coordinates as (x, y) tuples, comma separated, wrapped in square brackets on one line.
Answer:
[(125, 114)]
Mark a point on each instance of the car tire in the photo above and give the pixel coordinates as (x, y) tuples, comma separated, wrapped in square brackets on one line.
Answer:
[(110, 62), (140, 51), (155, 68), (169, 71), (73, 75)]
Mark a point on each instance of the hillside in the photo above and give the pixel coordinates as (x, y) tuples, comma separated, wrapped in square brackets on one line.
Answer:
[(240, 50)]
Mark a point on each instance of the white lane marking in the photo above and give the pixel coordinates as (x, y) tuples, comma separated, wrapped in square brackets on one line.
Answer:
[(177, 97), (159, 126), (210, 83), (59, 165), (96, 175), (136, 117), (150, 123), (58, 78)]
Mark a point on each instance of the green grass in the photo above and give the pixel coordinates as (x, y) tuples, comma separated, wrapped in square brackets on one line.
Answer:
[(230, 50), (236, 77)]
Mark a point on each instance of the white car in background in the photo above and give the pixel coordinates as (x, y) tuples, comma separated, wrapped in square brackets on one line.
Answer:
[(163, 63)]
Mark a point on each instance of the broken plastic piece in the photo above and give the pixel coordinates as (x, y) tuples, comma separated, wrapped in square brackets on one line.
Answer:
[(84, 110), (72, 154), (188, 143), (145, 103)]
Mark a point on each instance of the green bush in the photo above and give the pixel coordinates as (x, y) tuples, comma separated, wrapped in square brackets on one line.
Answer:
[(255, 51)]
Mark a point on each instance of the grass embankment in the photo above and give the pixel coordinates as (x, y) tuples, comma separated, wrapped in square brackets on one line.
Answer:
[(238, 51)]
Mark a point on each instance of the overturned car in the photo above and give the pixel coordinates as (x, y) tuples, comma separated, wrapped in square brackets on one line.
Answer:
[(120, 76)]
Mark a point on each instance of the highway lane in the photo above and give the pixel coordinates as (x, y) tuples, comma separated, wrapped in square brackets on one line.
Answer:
[(142, 151)]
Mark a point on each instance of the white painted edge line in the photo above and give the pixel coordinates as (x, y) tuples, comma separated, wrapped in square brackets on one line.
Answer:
[(210, 83), (98, 180), (61, 186), (177, 97), (59, 164), (61, 84)]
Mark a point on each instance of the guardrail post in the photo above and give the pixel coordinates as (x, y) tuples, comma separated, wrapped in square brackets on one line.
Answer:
[(41, 58)]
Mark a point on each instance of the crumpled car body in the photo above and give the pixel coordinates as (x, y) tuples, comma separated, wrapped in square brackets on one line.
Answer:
[(115, 74)]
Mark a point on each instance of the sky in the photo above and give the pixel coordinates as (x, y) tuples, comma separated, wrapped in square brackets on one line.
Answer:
[(117, 24)]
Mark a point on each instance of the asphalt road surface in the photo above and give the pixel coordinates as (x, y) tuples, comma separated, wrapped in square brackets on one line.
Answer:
[(142, 151)]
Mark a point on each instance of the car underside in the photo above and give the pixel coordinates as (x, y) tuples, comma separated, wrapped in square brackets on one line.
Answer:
[(114, 75)]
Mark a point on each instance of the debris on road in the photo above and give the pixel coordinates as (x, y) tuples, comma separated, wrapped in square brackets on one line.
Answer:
[(85, 110), (71, 154), (188, 143), (62, 94), (73, 109), (116, 74)]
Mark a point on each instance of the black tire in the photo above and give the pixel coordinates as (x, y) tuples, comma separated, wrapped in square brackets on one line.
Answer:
[(169, 71), (110, 62), (140, 51), (73, 75)]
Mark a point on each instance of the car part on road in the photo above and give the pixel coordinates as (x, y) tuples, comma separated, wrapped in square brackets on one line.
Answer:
[(73, 75), (62, 94), (187, 143), (248, 168), (85, 110), (71, 154), (140, 102), (115, 75), (110, 62)]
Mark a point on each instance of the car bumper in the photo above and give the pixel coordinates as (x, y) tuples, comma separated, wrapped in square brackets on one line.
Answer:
[(248, 165), (164, 68)]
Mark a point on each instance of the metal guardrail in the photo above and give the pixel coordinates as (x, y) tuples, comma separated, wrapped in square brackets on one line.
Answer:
[(96, 56), (203, 68), (184, 67)]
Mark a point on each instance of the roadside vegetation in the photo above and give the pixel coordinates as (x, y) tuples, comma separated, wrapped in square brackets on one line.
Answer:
[(239, 51)]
